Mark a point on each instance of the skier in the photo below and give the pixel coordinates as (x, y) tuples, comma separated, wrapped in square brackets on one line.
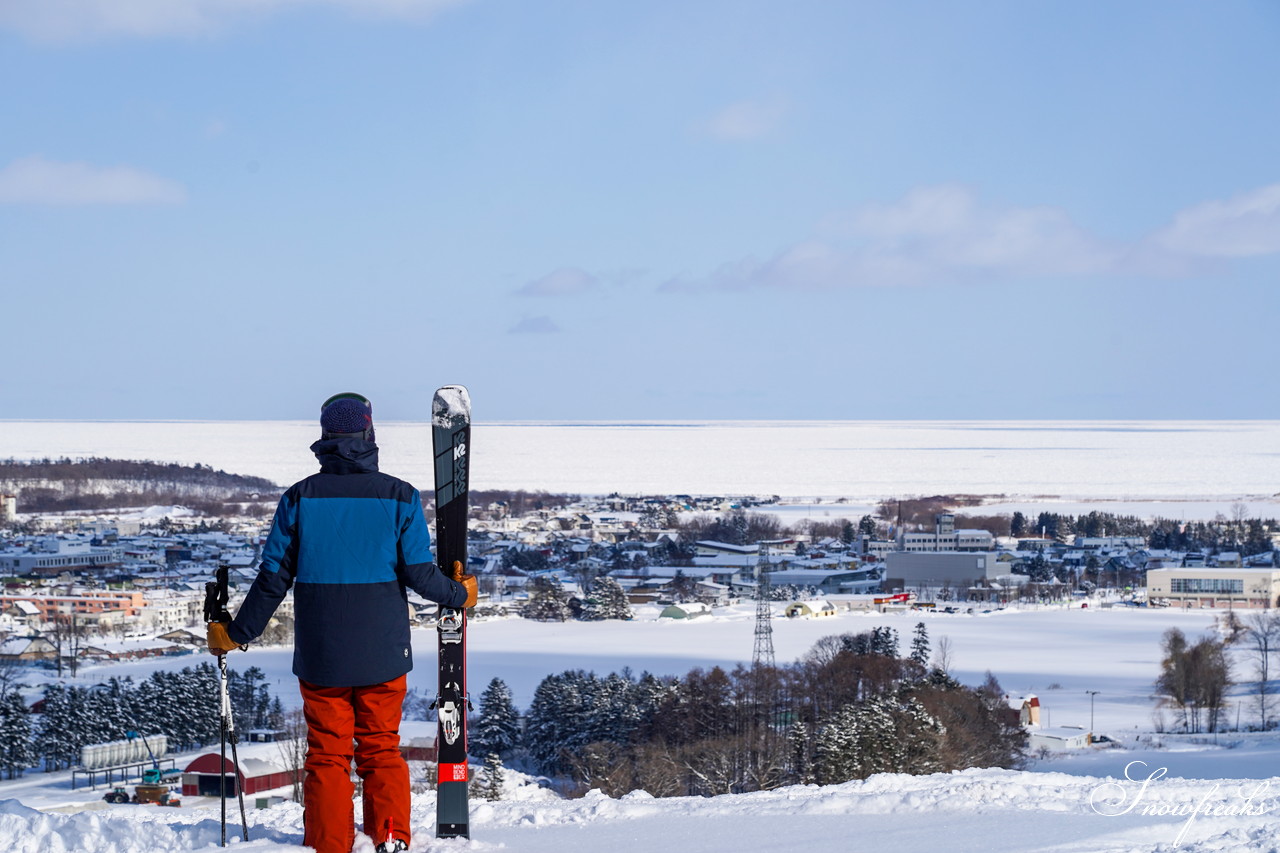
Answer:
[(348, 540)]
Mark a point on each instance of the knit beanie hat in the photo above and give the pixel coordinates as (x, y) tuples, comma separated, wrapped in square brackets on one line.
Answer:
[(347, 414)]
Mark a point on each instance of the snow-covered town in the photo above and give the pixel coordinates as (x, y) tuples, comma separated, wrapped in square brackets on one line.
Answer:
[(110, 601), (1039, 649), (477, 425), (131, 584)]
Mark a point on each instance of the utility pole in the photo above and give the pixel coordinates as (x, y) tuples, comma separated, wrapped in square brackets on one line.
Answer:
[(1091, 693)]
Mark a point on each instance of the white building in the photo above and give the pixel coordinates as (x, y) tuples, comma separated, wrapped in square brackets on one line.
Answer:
[(945, 537), (1198, 586), (1058, 738)]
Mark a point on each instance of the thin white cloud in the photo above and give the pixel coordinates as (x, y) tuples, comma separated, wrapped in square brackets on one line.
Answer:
[(73, 20), (565, 281), (1243, 226), (946, 234), (749, 119), (931, 234), (35, 180), (540, 325)]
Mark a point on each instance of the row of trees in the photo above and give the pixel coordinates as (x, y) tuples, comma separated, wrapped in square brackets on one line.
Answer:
[(59, 485), (1235, 533), (182, 705), (851, 707)]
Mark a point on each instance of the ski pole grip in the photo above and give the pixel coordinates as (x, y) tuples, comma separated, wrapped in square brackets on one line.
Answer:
[(456, 571)]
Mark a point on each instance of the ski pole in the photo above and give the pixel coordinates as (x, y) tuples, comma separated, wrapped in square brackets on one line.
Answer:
[(215, 610), (230, 734), (222, 743)]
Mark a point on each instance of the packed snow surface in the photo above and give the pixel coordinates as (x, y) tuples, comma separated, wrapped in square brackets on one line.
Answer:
[(974, 810)]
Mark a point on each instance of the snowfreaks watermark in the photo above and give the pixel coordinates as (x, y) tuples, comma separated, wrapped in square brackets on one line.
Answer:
[(1113, 799)]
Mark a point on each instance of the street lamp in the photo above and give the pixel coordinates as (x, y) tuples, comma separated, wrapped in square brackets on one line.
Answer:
[(1091, 693)]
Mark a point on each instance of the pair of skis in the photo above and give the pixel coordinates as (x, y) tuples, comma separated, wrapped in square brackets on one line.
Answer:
[(451, 439)]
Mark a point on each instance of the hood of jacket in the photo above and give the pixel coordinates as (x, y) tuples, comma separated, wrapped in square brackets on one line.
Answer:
[(346, 456)]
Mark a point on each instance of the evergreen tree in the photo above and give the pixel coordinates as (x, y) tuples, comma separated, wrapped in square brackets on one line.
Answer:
[(848, 533), (491, 784), (683, 587), (105, 713), (606, 600), (56, 741), (548, 601), (884, 734), (884, 641), (867, 526), (275, 714), (799, 746), (498, 728), (1018, 525), (920, 645), (17, 751), (549, 721)]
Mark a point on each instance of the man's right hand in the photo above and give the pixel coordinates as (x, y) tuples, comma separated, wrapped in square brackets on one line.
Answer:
[(468, 581)]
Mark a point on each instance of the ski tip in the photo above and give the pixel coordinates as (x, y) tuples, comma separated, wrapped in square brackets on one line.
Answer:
[(451, 405)]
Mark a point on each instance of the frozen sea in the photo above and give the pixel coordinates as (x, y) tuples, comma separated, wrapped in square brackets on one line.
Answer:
[(1188, 469)]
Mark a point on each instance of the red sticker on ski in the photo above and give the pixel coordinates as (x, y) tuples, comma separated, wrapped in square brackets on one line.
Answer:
[(453, 772)]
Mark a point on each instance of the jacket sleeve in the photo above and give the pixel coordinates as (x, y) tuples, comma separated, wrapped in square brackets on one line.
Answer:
[(275, 574), (417, 565)]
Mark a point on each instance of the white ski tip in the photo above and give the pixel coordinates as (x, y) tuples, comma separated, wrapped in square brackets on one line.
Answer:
[(451, 404)]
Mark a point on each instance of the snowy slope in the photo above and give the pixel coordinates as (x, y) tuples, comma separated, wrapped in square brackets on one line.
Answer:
[(1056, 653), (977, 810)]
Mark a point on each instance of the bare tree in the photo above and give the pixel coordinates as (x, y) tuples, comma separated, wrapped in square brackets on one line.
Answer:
[(1195, 678), (65, 633), (1262, 639), (944, 654), (10, 672), (293, 749)]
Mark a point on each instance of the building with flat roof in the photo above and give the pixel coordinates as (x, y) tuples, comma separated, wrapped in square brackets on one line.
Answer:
[(52, 556), (87, 603), (909, 570), (1201, 586), (945, 537)]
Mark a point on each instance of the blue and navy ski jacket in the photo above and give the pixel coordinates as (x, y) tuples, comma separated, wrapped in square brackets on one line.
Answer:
[(348, 541)]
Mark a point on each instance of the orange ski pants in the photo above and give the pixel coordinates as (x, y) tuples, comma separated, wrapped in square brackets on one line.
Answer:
[(369, 717)]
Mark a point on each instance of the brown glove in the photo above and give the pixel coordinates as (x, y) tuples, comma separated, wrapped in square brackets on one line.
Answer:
[(218, 641), (469, 581)]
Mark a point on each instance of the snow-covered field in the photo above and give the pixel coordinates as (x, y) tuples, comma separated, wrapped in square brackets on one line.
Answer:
[(1065, 802), (1057, 653), (1202, 461)]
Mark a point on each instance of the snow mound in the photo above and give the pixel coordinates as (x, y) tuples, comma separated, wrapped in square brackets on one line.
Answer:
[(972, 810)]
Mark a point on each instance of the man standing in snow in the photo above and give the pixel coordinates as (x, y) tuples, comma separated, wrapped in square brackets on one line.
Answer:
[(348, 541)]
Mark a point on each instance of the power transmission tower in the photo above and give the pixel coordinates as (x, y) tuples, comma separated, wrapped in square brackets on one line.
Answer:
[(762, 655)]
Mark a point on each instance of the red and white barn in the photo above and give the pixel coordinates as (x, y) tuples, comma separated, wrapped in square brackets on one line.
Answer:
[(262, 765), (203, 777)]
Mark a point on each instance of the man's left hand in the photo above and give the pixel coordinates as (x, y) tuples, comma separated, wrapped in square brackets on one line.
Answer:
[(218, 641)]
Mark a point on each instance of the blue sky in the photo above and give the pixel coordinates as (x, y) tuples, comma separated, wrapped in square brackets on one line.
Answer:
[(640, 210)]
